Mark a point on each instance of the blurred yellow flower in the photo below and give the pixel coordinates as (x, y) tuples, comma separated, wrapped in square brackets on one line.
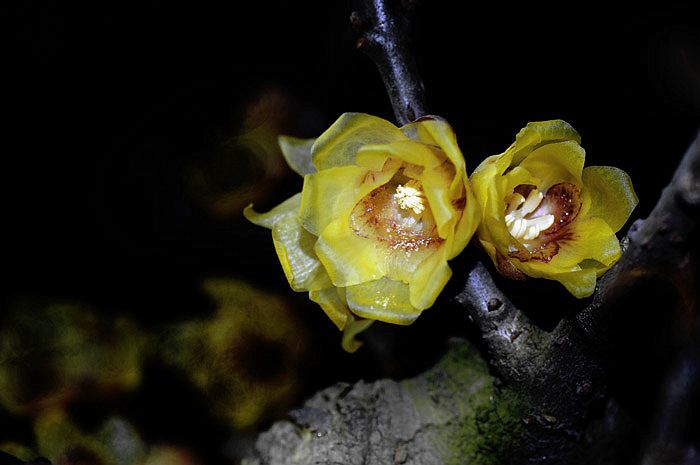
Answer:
[(546, 216), (381, 211)]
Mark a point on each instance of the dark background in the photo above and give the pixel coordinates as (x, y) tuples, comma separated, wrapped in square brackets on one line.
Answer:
[(110, 104)]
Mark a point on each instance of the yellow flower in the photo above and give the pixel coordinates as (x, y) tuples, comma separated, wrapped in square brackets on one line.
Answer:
[(546, 216), (381, 211)]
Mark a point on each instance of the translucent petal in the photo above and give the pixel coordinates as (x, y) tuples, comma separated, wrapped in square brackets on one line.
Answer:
[(429, 280), (482, 181), (297, 153), (335, 191), (383, 300), (556, 162), (580, 283), (491, 189), (466, 226), (332, 301), (339, 144), (436, 186), (268, 220), (409, 151), (348, 258), (434, 130), (294, 246), (612, 196), (539, 133), (354, 327), (587, 238)]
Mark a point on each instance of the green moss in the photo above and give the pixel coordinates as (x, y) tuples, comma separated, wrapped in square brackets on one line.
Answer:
[(473, 421)]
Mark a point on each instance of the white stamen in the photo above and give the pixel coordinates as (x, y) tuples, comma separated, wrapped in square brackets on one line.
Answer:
[(410, 197), (533, 201), (518, 208)]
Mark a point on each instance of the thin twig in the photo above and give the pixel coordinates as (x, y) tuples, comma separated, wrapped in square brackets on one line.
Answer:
[(384, 37)]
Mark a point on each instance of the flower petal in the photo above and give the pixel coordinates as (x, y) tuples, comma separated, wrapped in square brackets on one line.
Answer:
[(433, 130), (335, 191), (339, 144), (538, 133), (295, 248), (348, 258), (556, 162), (384, 300), (612, 196), (353, 327), (580, 283), (409, 151), (332, 301), (587, 238), (429, 279), (466, 226), (436, 186), (297, 153), (491, 189), (289, 207)]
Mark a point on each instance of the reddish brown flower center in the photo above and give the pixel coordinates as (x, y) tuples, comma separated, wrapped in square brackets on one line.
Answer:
[(397, 215), (540, 221)]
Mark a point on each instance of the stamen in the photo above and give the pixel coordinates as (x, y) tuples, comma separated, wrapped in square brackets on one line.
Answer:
[(517, 210), (410, 197), (533, 201)]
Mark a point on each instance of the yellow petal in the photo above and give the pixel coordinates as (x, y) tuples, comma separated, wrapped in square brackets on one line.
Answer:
[(352, 329), (539, 133), (466, 226), (429, 280), (409, 151), (332, 301), (580, 283), (482, 181), (297, 153), (556, 162), (295, 248), (590, 238), (436, 186), (434, 130), (384, 300), (339, 144), (612, 196), (335, 191), (348, 258), (491, 189), (289, 207)]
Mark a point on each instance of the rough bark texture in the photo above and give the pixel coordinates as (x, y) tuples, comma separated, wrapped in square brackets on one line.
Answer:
[(445, 415), (544, 396)]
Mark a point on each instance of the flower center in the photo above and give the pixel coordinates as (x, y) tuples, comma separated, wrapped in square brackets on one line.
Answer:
[(540, 222), (520, 216), (410, 196), (398, 215)]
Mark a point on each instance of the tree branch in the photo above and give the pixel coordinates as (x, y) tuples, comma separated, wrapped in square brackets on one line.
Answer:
[(384, 37)]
